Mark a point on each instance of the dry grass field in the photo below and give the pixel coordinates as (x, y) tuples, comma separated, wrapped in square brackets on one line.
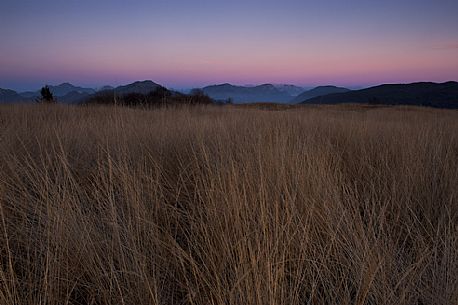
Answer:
[(228, 205)]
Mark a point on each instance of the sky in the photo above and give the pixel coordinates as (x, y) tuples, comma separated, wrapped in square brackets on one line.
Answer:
[(183, 44)]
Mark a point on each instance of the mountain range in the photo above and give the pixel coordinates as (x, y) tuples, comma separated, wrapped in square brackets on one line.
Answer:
[(443, 95), (268, 93), (70, 94), (290, 89), (60, 91), (248, 94), (65, 93)]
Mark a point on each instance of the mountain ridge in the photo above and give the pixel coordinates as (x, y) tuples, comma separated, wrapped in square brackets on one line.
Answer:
[(443, 95), (245, 94), (9, 96), (292, 90), (59, 90), (318, 91)]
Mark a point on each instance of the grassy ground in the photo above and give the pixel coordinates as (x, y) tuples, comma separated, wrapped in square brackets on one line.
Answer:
[(228, 205)]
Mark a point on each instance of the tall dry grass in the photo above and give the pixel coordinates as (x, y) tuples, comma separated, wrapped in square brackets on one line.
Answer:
[(326, 205)]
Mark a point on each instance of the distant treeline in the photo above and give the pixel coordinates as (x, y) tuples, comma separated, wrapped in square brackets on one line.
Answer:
[(160, 96)]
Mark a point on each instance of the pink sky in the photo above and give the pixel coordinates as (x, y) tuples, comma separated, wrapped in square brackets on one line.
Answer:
[(355, 43)]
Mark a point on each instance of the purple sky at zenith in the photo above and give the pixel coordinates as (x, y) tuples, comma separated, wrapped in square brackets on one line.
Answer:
[(195, 43)]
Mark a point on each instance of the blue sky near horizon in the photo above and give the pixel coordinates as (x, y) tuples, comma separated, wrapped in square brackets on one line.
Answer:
[(195, 43)]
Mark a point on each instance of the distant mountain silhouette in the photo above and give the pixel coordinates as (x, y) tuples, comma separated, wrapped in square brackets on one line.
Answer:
[(64, 93), (30, 94), (9, 96), (73, 97), (105, 88), (70, 94), (243, 94), (290, 89), (141, 87), (442, 95), (66, 88), (318, 91)]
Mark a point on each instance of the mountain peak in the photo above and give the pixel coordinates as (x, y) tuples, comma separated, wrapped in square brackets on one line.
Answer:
[(144, 82), (143, 87), (65, 85)]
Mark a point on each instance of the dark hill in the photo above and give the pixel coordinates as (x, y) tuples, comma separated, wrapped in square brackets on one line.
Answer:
[(319, 91), (441, 95), (141, 87)]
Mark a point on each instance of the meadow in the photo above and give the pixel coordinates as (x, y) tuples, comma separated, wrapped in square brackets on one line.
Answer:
[(228, 205)]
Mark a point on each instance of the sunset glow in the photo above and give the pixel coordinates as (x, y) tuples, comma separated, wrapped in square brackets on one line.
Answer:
[(195, 43)]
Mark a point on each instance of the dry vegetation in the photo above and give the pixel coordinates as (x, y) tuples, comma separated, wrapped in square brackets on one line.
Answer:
[(227, 205)]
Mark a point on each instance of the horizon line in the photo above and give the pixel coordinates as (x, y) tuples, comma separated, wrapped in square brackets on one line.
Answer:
[(22, 89)]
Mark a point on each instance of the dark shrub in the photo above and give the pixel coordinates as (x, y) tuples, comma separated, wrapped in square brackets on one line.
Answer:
[(159, 97), (134, 99), (46, 95), (106, 97), (199, 97)]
